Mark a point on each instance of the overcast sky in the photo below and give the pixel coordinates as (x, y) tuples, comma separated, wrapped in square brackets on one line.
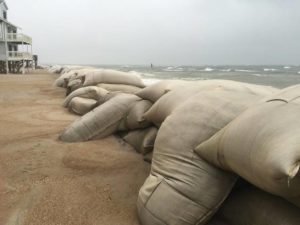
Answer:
[(164, 32)]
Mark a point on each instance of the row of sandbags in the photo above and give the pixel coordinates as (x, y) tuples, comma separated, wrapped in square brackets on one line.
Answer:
[(195, 181), (187, 116), (73, 78), (261, 144), (101, 86)]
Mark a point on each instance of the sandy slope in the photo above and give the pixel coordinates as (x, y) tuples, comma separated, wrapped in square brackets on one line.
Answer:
[(45, 181)]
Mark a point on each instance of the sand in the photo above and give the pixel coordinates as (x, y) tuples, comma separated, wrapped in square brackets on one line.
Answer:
[(45, 181)]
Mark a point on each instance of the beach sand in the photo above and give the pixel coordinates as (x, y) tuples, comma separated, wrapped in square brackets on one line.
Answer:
[(45, 181)]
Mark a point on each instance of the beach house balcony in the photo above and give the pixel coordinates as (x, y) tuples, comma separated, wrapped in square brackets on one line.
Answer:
[(18, 56), (17, 38)]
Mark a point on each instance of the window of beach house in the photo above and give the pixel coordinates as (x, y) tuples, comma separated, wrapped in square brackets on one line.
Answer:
[(4, 14)]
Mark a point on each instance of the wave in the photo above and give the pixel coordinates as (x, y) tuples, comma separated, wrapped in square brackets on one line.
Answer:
[(256, 74), (247, 71), (287, 67), (299, 72), (208, 69), (173, 69), (226, 70), (269, 69)]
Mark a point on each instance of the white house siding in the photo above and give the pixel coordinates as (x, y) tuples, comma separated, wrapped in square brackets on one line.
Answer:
[(2, 51)]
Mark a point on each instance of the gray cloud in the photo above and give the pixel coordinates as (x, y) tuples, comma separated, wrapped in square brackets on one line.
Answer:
[(191, 32)]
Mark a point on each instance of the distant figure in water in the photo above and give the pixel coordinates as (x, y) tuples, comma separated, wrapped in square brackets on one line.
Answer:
[(151, 65)]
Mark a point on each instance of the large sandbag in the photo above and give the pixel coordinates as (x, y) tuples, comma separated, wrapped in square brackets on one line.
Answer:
[(182, 188), (169, 101), (91, 92), (255, 207), (55, 69), (142, 140), (82, 106), (102, 121), (112, 77), (157, 90), (63, 80), (262, 145), (135, 118), (73, 85), (120, 88)]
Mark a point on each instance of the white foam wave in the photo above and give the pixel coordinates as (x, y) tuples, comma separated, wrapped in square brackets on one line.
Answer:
[(173, 69), (247, 71), (299, 72), (287, 67), (226, 70), (208, 69), (269, 69), (256, 74)]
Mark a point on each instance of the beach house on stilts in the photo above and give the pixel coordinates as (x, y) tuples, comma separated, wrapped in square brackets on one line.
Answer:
[(15, 47)]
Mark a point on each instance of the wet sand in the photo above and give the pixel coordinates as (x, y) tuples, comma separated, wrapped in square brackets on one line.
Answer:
[(45, 181)]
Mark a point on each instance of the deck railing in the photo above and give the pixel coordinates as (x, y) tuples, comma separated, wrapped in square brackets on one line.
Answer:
[(18, 37), (16, 55)]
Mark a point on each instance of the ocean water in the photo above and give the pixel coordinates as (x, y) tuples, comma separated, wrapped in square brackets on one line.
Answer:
[(277, 76)]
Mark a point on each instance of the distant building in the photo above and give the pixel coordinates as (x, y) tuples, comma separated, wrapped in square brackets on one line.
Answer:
[(15, 47)]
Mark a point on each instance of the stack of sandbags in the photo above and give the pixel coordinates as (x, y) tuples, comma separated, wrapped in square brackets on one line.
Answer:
[(111, 80), (182, 188), (177, 92), (262, 145), (118, 112), (92, 92), (85, 99), (66, 77), (77, 99), (156, 91), (55, 69), (251, 206)]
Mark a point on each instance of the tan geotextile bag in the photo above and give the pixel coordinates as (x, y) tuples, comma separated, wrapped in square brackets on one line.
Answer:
[(112, 77), (82, 106), (90, 92), (262, 145), (102, 121), (182, 188), (173, 98), (124, 88)]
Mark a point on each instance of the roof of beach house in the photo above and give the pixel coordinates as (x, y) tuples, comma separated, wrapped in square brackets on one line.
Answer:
[(4, 3)]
